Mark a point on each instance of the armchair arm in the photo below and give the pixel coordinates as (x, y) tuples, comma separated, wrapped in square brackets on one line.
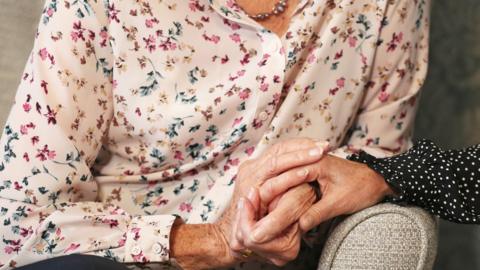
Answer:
[(385, 236)]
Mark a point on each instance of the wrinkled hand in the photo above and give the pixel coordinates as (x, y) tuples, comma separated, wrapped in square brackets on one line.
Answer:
[(286, 208), (278, 159), (346, 187)]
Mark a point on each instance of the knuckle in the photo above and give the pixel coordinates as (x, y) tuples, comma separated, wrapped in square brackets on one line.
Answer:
[(291, 251), (308, 219), (238, 235), (269, 187), (236, 246), (282, 246), (291, 247), (279, 263), (274, 219), (249, 243), (290, 256), (305, 222), (295, 249), (272, 164)]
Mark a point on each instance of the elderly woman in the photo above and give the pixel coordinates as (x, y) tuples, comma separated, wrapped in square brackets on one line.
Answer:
[(150, 132)]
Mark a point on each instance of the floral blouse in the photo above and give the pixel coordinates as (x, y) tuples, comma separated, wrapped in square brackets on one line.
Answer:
[(131, 114)]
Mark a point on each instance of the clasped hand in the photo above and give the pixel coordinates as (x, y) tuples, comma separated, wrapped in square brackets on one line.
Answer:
[(273, 204)]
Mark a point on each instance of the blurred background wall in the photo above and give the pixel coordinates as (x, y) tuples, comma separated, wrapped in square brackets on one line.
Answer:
[(449, 111), (18, 22)]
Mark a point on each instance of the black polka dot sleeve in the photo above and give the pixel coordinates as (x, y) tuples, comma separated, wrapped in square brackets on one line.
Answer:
[(445, 183)]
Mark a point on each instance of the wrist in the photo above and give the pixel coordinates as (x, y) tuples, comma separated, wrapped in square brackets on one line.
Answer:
[(384, 188), (387, 190), (199, 246), (381, 169), (223, 250)]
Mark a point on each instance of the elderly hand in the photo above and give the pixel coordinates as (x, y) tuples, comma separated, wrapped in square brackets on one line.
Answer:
[(287, 209), (346, 187), (278, 159)]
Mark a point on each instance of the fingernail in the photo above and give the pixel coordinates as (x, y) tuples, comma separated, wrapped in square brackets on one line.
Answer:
[(322, 145), (302, 172), (251, 194), (240, 203), (315, 152)]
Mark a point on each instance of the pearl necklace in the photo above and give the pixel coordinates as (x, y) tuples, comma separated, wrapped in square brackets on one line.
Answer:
[(277, 9)]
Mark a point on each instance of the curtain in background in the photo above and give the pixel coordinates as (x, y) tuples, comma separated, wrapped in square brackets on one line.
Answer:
[(449, 111)]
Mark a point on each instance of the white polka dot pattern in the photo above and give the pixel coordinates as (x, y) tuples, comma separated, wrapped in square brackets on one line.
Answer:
[(445, 183)]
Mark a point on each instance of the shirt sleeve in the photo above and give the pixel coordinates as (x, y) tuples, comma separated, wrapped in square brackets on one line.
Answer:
[(384, 122), (53, 134), (445, 183)]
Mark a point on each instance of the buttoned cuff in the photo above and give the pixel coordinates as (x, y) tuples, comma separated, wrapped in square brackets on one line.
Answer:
[(348, 150), (148, 239)]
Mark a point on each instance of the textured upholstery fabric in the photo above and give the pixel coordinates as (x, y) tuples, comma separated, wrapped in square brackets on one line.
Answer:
[(382, 237), (385, 236)]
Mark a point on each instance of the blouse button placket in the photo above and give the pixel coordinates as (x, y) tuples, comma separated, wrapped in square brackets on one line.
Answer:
[(271, 45)]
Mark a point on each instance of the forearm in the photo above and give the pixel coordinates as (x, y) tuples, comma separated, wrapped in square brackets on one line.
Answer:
[(199, 246)]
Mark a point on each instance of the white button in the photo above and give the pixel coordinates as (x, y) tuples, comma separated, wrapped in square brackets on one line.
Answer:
[(263, 116), (136, 250), (273, 46), (272, 42), (157, 248)]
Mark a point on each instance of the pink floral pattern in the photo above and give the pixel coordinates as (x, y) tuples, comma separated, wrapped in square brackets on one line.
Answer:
[(131, 114)]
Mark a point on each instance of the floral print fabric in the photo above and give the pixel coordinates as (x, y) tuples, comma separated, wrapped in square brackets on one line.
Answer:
[(131, 114)]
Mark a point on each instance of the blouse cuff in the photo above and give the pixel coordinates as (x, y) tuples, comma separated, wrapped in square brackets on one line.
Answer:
[(148, 239)]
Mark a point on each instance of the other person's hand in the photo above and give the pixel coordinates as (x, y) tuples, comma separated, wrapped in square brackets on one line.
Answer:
[(346, 187)]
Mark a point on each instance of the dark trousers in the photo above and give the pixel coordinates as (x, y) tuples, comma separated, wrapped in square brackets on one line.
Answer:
[(75, 262)]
